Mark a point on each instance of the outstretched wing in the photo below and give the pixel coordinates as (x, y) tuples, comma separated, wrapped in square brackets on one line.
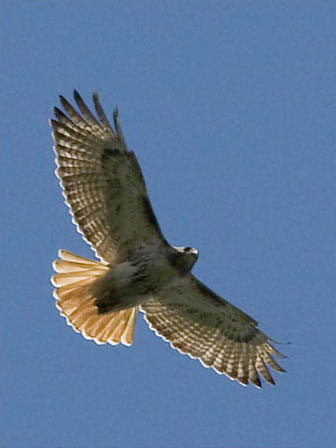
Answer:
[(102, 181), (199, 323)]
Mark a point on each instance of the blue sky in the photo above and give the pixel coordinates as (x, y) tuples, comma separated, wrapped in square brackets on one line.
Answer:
[(230, 107)]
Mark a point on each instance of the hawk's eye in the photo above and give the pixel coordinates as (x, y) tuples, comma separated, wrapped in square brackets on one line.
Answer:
[(187, 249)]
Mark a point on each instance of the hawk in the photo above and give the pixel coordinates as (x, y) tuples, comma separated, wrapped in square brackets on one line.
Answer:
[(138, 269)]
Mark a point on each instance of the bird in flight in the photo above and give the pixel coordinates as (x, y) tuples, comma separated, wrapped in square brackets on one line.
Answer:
[(138, 269)]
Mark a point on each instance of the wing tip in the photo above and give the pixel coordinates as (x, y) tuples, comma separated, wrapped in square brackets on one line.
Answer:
[(117, 125), (95, 97), (63, 101), (76, 95)]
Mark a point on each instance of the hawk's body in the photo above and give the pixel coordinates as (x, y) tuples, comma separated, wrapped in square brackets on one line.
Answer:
[(105, 190)]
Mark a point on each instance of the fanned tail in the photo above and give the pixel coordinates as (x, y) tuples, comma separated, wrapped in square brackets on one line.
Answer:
[(76, 303)]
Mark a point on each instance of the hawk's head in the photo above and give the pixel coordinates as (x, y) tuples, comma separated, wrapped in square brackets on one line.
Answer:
[(187, 257)]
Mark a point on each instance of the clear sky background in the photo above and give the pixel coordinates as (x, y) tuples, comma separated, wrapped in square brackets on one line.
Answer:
[(230, 107)]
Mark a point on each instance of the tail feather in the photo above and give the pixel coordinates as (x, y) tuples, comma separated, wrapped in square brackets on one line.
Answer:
[(72, 281), (69, 256)]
